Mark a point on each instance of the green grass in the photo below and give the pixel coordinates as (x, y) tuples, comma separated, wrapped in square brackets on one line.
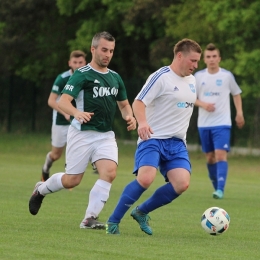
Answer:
[(54, 233)]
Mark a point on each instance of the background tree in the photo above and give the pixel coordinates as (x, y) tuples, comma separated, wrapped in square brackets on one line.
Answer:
[(34, 48), (36, 37)]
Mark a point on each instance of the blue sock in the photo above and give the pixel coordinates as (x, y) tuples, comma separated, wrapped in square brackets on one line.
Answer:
[(162, 196), (212, 169), (222, 170), (130, 195)]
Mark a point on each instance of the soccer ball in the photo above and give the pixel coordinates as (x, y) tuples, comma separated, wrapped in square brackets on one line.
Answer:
[(215, 221)]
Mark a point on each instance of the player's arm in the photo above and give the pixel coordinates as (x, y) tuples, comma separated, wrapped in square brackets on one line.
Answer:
[(52, 102), (210, 107), (239, 115), (66, 105), (127, 114), (144, 130)]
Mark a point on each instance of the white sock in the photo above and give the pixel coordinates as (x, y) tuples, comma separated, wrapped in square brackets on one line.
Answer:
[(53, 184), (98, 196), (48, 163)]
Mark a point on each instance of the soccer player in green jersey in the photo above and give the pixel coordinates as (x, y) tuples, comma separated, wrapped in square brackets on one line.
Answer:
[(96, 91), (60, 119)]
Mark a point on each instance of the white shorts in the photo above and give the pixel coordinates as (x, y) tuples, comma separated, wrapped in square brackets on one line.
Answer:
[(59, 135), (88, 146)]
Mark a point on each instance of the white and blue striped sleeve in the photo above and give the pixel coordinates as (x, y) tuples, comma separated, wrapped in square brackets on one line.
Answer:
[(152, 87)]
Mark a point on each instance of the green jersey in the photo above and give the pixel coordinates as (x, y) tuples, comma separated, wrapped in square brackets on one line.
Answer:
[(59, 84), (96, 92)]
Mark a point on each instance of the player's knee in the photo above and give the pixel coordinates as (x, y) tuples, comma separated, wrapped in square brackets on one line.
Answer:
[(211, 159), (56, 157), (108, 175), (70, 181), (185, 186), (221, 157), (56, 153), (144, 182), (181, 187), (112, 176)]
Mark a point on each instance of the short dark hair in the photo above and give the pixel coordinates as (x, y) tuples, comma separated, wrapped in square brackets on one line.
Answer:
[(105, 35), (186, 45), (212, 47), (77, 54)]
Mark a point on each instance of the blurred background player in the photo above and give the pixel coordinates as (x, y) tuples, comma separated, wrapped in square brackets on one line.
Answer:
[(214, 86), (60, 120)]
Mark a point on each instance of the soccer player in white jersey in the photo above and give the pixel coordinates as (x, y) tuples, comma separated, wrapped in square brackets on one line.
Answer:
[(96, 91), (162, 109), (214, 86), (60, 120)]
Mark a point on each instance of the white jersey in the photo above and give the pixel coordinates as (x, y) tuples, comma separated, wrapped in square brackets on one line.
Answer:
[(169, 101), (216, 88)]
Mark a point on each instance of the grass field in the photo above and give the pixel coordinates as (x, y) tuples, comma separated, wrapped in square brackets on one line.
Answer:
[(54, 233)]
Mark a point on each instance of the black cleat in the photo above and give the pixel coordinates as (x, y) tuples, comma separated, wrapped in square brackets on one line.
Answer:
[(35, 200)]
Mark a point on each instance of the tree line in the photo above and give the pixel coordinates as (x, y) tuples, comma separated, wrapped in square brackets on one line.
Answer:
[(36, 38)]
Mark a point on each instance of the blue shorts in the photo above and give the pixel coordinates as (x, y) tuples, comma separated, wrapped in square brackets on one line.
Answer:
[(215, 139), (167, 154)]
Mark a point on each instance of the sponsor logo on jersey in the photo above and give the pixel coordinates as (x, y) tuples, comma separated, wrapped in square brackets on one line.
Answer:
[(185, 105), (96, 81), (175, 89), (192, 88), (219, 82), (69, 87), (210, 94), (104, 91)]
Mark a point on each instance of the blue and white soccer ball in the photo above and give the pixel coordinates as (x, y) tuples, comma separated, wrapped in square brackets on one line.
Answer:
[(215, 221)]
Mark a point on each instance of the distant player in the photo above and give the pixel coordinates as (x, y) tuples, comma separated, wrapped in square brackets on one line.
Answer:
[(60, 120), (214, 86)]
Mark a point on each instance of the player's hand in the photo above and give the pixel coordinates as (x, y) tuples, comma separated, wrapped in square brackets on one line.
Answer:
[(83, 117), (131, 122), (240, 121), (67, 117), (210, 107), (144, 131)]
